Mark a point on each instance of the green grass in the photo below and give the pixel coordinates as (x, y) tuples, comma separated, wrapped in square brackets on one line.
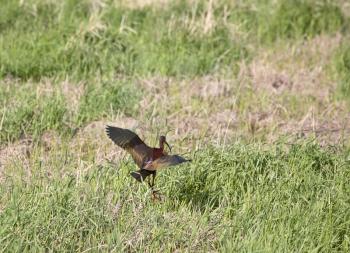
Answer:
[(82, 44), (107, 99), (341, 66), (242, 197), (239, 73), (269, 21), (51, 39), (31, 109), (24, 113), (294, 19)]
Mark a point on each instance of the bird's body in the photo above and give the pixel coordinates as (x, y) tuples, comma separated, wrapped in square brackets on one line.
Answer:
[(148, 159)]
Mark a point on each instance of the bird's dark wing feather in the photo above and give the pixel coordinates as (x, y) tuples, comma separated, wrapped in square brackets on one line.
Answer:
[(141, 175), (132, 143)]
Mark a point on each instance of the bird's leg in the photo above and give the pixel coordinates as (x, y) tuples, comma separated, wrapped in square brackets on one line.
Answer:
[(149, 183), (153, 177), (155, 194)]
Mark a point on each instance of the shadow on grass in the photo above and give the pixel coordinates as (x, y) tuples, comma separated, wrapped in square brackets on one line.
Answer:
[(197, 191), (197, 199)]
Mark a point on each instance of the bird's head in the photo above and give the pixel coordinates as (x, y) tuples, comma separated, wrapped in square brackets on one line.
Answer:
[(162, 140)]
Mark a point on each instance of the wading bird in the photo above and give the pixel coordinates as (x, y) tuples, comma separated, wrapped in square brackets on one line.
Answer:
[(148, 159)]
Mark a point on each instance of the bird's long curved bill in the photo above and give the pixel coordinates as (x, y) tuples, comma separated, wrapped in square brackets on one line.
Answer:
[(168, 145)]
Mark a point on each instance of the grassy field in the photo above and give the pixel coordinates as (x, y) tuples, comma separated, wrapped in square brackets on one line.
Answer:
[(257, 93)]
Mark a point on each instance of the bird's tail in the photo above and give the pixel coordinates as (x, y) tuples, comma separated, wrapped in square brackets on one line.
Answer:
[(141, 175)]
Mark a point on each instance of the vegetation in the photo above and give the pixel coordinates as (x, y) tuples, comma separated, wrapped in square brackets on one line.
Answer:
[(342, 67), (256, 92)]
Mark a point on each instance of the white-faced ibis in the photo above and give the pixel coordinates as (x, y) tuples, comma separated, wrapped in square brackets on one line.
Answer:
[(148, 159)]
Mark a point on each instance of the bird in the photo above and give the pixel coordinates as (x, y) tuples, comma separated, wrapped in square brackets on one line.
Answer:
[(148, 159)]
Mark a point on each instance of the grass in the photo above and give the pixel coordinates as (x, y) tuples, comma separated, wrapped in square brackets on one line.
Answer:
[(116, 40), (31, 114), (302, 19), (31, 109), (103, 100), (248, 90), (342, 70), (240, 197)]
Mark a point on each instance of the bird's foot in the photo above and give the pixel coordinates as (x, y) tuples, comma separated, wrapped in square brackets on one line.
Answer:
[(156, 196)]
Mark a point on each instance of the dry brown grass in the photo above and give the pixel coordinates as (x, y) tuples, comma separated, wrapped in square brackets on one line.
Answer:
[(90, 139), (274, 95), (18, 152), (72, 93), (189, 109), (208, 111), (93, 138), (345, 6), (136, 4), (299, 67)]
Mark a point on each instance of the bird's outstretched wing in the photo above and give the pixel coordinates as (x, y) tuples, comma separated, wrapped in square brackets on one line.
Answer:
[(165, 161), (132, 143)]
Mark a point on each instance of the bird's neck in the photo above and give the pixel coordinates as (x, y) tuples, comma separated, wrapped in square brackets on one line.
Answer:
[(158, 152)]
